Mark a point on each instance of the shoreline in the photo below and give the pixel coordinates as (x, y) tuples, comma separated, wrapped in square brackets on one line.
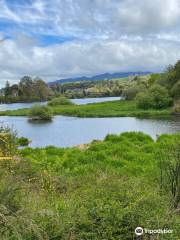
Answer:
[(117, 108)]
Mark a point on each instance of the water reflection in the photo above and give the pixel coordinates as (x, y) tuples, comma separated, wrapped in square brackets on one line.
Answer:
[(14, 106), (71, 131)]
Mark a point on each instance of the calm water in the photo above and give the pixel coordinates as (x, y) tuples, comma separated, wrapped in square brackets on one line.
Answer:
[(83, 101), (13, 106), (71, 131)]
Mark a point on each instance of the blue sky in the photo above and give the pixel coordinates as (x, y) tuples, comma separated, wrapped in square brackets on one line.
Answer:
[(65, 38)]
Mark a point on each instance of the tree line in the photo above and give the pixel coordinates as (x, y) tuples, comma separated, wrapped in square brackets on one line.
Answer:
[(27, 90), (103, 88), (156, 91)]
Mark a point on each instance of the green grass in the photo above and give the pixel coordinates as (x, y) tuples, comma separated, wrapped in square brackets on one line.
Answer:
[(102, 192), (105, 109)]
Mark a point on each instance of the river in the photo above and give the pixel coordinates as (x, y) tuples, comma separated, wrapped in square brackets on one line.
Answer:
[(81, 101), (71, 131)]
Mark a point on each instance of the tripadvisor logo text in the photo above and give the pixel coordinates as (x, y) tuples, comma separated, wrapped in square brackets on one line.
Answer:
[(140, 231)]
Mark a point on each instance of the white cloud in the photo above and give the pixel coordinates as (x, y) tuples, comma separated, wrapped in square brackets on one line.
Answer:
[(95, 17), (88, 57), (114, 35)]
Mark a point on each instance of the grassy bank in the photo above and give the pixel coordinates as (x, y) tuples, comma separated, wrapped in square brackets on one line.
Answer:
[(103, 191), (105, 109)]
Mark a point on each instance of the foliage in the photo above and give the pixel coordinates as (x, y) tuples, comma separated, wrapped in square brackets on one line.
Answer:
[(82, 89), (169, 163), (22, 141), (176, 107), (38, 112), (154, 77), (28, 90), (144, 100), (175, 91), (156, 97), (102, 192), (7, 90), (59, 101), (131, 91), (170, 79), (8, 144)]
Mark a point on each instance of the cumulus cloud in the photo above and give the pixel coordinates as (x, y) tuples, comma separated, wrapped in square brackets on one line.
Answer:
[(87, 57), (107, 36)]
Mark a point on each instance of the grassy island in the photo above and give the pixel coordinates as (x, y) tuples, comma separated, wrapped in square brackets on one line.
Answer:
[(40, 113), (120, 108)]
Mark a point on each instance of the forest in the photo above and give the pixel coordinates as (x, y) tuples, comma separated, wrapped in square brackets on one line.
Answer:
[(27, 90)]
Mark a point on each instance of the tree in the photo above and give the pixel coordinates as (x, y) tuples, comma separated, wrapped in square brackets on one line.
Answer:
[(144, 100), (160, 96), (156, 97), (33, 89), (175, 91), (26, 87), (7, 90), (131, 91), (41, 89)]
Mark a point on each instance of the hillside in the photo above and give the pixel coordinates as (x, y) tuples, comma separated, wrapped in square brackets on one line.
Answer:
[(104, 76)]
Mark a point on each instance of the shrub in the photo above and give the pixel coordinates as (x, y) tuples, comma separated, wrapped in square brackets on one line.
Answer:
[(38, 112), (160, 96), (59, 101), (22, 141), (8, 145), (156, 97), (175, 91), (153, 78), (144, 100), (176, 108), (131, 91)]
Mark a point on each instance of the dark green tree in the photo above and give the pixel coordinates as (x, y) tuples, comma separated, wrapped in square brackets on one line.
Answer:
[(7, 90)]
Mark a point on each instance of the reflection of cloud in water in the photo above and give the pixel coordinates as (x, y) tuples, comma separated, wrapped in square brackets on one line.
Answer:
[(71, 131)]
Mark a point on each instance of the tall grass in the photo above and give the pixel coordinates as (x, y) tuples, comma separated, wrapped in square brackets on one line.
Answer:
[(101, 192)]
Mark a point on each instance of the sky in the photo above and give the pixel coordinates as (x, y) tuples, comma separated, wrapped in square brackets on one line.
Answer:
[(56, 39)]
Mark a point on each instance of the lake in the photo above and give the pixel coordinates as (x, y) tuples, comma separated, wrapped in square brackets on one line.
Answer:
[(14, 106), (82, 101), (70, 131)]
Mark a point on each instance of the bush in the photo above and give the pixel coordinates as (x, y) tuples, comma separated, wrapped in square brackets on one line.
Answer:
[(176, 108), (60, 101), (8, 145), (161, 98), (144, 100), (156, 97), (154, 78), (175, 91), (132, 90), (38, 112), (22, 141)]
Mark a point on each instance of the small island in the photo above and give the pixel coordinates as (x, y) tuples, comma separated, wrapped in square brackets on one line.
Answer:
[(40, 113)]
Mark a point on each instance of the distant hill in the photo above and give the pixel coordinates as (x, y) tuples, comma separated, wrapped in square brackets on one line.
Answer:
[(104, 76)]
